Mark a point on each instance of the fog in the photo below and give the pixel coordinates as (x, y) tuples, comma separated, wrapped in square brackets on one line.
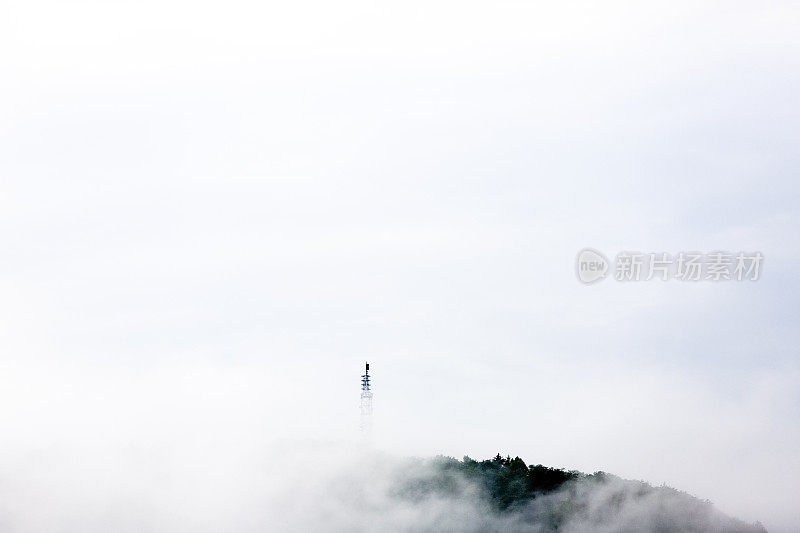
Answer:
[(219, 484), (212, 214), (200, 447)]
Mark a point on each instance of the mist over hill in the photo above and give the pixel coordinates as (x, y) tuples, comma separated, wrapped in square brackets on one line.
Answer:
[(505, 495), (508, 495), (294, 487)]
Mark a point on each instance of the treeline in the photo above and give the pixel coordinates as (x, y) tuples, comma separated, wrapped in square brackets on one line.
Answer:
[(504, 480), (541, 498)]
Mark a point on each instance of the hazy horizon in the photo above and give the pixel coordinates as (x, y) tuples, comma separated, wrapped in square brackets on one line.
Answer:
[(212, 215)]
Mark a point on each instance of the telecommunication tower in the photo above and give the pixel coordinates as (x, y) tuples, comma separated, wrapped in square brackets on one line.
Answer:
[(366, 403)]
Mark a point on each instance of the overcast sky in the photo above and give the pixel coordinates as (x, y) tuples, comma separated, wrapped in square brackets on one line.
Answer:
[(211, 214)]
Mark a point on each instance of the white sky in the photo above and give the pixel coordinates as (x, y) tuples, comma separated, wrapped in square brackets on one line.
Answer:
[(212, 213)]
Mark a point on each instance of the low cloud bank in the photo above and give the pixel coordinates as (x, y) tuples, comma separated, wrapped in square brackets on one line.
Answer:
[(244, 487), (389, 494)]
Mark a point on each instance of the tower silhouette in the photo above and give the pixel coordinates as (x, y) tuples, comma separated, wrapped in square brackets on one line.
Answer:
[(366, 403)]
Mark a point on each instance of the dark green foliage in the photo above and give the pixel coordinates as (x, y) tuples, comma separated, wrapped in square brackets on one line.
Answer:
[(507, 481), (547, 498), (544, 479)]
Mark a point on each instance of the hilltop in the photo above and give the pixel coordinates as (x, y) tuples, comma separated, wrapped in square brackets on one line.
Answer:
[(515, 496)]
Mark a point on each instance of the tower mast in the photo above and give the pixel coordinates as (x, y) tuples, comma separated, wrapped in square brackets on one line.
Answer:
[(366, 403)]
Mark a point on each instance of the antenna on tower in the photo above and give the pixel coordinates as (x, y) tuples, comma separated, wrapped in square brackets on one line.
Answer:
[(366, 403)]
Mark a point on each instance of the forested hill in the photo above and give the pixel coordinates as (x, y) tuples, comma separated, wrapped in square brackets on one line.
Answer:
[(539, 498)]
